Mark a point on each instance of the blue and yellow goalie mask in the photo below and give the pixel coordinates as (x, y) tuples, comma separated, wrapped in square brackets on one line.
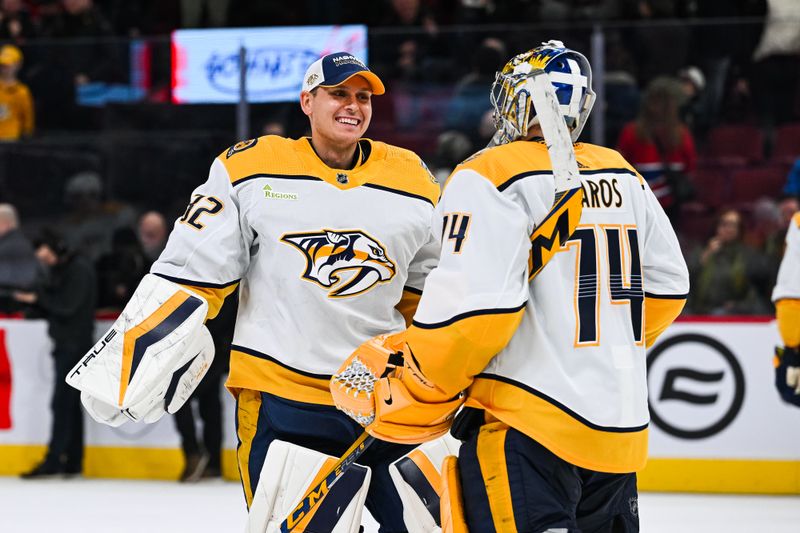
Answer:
[(571, 76)]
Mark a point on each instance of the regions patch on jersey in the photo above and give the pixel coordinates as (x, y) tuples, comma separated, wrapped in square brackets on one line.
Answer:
[(346, 262), (241, 146)]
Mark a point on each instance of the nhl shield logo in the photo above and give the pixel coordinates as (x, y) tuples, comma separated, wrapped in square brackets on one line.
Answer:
[(341, 177), (633, 504), (346, 262)]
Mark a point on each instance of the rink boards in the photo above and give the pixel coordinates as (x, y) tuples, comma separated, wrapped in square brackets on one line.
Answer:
[(717, 423)]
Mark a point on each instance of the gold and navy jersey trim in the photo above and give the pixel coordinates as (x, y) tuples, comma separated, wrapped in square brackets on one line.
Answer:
[(412, 290), (204, 284), (469, 314), (262, 355), (561, 406), (513, 179), (666, 296), (398, 191), (302, 177)]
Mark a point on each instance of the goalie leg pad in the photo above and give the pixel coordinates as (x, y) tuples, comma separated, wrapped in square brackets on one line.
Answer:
[(288, 472), (452, 507), (419, 483)]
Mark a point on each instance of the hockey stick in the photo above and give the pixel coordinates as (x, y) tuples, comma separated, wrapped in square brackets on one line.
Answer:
[(313, 496), (563, 218)]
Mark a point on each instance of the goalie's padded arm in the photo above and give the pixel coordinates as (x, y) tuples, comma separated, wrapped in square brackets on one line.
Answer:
[(214, 294), (787, 312), (472, 340)]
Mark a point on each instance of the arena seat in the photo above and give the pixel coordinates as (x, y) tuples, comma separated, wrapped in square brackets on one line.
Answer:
[(735, 142), (751, 184), (787, 143)]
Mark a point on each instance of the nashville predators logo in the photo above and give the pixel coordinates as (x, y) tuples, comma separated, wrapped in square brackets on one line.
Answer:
[(348, 262), (241, 146)]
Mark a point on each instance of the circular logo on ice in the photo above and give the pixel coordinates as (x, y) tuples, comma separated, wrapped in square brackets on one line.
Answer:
[(269, 70), (696, 386)]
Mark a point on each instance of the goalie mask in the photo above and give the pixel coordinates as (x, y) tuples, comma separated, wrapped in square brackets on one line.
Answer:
[(571, 76)]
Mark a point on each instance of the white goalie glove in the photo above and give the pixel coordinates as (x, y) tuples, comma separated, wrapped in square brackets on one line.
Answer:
[(152, 358)]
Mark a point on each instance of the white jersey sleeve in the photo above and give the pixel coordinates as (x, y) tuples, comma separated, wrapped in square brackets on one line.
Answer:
[(424, 261), (484, 256), (788, 283), (663, 266), (209, 245)]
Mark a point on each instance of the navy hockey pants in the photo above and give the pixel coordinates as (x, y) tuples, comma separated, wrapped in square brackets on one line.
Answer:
[(262, 417), (510, 482)]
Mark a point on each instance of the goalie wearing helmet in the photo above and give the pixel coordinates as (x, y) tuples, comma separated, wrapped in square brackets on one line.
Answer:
[(558, 269)]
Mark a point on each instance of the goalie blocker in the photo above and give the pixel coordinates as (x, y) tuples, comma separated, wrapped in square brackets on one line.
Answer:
[(151, 359)]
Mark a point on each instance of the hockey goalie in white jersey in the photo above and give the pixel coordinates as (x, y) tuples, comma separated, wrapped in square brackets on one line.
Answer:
[(556, 417), (328, 239)]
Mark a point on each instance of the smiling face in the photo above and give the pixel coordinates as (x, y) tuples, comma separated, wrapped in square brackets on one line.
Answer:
[(339, 115)]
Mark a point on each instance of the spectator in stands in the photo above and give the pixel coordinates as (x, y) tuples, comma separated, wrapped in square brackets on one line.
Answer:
[(726, 273), (409, 54), (776, 73), (91, 221), (766, 235), (18, 266), (660, 146), (469, 102), (723, 53), (622, 93), (77, 18), (120, 271), (792, 187), (693, 111), (153, 234), (63, 75), (68, 301), (16, 24), (788, 206), (274, 127), (660, 49), (452, 147), (16, 103), (193, 11)]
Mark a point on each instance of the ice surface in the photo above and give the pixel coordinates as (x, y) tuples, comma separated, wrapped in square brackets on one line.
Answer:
[(122, 506)]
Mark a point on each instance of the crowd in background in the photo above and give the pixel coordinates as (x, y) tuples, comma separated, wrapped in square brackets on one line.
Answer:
[(670, 87)]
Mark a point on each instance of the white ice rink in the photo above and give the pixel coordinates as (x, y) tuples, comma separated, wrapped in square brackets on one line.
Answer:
[(111, 506)]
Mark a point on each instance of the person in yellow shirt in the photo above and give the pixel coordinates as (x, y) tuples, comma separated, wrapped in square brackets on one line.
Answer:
[(16, 103)]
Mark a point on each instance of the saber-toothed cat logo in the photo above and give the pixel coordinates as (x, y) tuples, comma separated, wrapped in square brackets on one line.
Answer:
[(331, 253)]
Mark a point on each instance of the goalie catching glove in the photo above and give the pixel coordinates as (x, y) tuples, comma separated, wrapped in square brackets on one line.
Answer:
[(152, 358), (382, 388), (787, 374)]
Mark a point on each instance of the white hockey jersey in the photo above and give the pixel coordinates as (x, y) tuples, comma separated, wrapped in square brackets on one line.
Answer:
[(562, 357), (325, 258), (786, 293)]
